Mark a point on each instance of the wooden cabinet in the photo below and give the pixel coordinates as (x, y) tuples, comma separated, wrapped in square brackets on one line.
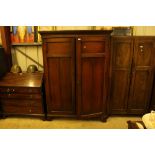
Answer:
[(76, 73), (22, 94), (132, 74)]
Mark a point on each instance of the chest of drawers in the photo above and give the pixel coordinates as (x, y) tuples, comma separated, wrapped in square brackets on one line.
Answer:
[(22, 94)]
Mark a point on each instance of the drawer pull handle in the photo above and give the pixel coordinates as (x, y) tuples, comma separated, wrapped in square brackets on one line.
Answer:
[(141, 48)]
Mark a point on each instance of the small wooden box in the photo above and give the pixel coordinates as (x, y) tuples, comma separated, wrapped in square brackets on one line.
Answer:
[(21, 94)]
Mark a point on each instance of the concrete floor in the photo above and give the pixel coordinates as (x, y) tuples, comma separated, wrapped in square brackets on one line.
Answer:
[(35, 123)]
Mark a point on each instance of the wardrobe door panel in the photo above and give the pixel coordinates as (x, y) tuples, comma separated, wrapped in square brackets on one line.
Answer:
[(142, 75), (138, 97), (121, 64), (60, 57), (92, 85), (92, 75), (119, 91)]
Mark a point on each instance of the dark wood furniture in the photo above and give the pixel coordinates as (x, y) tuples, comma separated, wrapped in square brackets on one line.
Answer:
[(22, 94), (132, 74), (76, 65), (152, 104), (134, 125)]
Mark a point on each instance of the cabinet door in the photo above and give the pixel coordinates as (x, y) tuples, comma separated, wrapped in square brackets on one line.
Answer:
[(152, 104), (59, 59), (142, 75), (92, 75), (122, 51)]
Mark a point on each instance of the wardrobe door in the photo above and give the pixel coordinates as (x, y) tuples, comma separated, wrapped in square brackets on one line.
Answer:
[(152, 103), (92, 75), (59, 61), (121, 60), (142, 75)]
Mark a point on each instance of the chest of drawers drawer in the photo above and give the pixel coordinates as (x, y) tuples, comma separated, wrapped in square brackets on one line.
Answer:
[(16, 106), (20, 96), (10, 90)]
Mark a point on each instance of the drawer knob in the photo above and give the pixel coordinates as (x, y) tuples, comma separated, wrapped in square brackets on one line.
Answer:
[(84, 46), (30, 110), (141, 48), (79, 38), (8, 90)]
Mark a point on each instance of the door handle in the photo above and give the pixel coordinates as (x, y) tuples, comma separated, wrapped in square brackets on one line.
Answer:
[(141, 48)]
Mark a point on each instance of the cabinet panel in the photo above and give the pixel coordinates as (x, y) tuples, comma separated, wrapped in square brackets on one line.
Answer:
[(96, 47), (122, 49), (122, 52), (92, 85), (61, 69), (139, 92), (60, 84), (119, 91), (57, 47), (143, 52), (92, 73), (152, 103)]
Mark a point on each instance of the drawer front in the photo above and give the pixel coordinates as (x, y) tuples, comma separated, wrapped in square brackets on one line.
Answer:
[(23, 110), (20, 97), (60, 47), (25, 107), (21, 103), (12, 90), (91, 44)]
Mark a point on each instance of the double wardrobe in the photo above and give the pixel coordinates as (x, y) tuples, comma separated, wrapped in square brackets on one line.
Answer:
[(91, 74)]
